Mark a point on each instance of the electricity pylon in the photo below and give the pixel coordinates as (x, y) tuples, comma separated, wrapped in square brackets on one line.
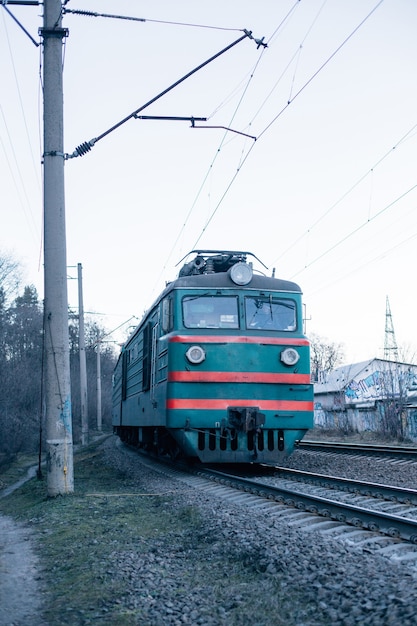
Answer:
[(390, 344)]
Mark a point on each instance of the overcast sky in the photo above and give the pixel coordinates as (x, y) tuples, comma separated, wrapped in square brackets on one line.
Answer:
[(326, 194)]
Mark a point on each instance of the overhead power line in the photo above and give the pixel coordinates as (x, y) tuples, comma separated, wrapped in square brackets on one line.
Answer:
[(357, 229), (87, 145), (143, 19), (345, 195), (269, 125)]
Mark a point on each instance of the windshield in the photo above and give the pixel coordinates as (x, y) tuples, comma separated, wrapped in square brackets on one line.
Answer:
[(210, 312), (268, 313)]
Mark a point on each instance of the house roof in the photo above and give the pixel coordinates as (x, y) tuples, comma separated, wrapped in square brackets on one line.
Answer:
[(340, 377)]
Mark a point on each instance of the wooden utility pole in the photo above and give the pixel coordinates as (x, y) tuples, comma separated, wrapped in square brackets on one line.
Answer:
[(59, 459)]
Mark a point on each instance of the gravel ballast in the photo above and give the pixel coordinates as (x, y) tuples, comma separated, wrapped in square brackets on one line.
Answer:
[(135, 547)]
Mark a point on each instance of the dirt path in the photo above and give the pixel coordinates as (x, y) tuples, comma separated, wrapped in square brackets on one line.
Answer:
[(20, 594)]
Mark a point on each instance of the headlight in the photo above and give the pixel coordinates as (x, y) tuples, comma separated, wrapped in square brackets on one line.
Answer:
[(289, 356), (195, 355), (241, 273)]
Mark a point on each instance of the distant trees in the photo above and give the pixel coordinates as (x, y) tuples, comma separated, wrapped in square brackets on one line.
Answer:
[(20, 372), (325, 355), (21, 366)]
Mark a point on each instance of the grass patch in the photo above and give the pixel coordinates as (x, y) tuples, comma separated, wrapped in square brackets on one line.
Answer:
[(79, 534), (112, 552)]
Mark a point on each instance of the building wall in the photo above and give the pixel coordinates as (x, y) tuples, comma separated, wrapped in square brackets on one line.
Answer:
[(362, 401)]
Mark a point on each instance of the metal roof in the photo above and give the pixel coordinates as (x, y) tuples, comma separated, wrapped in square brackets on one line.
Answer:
[(339, 379)]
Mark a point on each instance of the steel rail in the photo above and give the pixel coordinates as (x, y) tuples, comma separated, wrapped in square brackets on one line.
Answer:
[(341, 447), (377, 490), (385, 523), (393, 526)]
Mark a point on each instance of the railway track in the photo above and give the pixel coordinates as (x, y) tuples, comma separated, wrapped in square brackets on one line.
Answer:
[(359, 504), (407, 453), (376, 517)]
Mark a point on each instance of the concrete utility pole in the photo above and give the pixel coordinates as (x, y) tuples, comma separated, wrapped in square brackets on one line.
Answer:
[(99, 418), (60, 473), (83, 361)]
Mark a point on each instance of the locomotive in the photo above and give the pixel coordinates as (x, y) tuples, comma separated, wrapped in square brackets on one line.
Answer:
[(218, 370)]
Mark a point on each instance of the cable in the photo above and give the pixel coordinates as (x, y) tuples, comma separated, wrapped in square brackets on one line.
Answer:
[(11, 142), (269, 125), (317, 72), (22, 183), (357, 229), (301, 47), (345, 194), (223, 140), (366, 263), (142, 19)]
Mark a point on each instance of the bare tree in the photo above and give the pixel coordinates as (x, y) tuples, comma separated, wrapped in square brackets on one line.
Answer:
[(325, 355), (392, 405), (10, 276), (408, 354)]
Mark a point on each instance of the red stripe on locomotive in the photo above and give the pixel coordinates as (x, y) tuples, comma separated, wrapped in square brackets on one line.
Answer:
[(238, 377), (218, 404), (290, 341)]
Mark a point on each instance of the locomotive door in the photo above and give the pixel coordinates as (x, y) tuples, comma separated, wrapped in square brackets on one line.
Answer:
[(153, 361), (150, 338), (147, 356)]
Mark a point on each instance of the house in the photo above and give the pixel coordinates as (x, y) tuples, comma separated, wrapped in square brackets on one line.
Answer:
[(375, 395)]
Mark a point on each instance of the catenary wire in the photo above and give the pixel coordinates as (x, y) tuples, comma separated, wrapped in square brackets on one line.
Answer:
[(368, 262), (346, 193), (357, 229), (270, 124), (223, 140), (28, 211)]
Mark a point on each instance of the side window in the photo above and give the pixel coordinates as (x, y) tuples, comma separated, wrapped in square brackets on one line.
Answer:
[(167, 315), (268, 313), (210, 312)]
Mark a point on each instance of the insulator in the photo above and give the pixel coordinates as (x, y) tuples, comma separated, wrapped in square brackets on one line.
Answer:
[(83, 148), (86, 13)]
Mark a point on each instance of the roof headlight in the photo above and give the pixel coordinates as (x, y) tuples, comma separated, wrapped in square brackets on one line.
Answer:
[(241, 273), (289, 356), (195, 354)]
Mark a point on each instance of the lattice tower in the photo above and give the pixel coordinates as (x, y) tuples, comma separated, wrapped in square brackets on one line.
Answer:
[(390, 344)]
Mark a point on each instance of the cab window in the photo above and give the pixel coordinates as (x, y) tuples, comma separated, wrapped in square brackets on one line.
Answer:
[(269, 313), (210, 311)]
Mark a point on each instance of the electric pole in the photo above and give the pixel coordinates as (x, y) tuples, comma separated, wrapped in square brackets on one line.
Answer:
[(59, 459), (83, 360), (99, 418), (390, 344)]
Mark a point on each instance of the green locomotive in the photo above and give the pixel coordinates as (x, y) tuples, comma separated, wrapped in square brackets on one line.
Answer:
[(219, 368)]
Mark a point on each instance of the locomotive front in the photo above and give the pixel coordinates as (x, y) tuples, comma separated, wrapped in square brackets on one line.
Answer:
[(237, 362)]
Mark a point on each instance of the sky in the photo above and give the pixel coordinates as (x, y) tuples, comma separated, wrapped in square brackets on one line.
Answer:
[(316, 176)]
